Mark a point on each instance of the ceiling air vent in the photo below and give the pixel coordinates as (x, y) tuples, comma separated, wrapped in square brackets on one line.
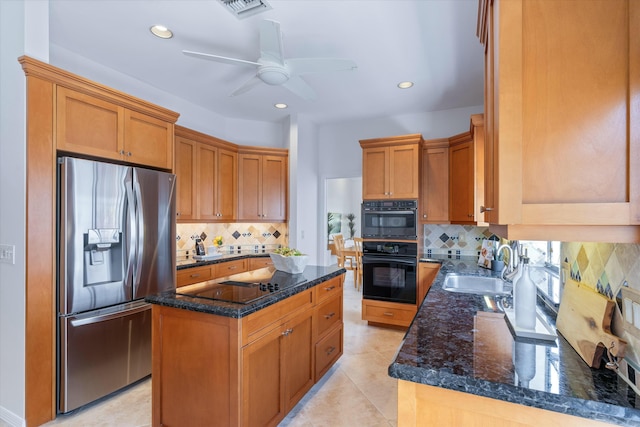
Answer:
[(244, 8)]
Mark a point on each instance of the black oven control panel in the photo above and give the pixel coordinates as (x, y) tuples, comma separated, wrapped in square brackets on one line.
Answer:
[(404, 249), (390, 205)]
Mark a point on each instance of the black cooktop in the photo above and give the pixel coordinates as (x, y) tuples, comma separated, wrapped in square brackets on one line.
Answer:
[(245, 288)]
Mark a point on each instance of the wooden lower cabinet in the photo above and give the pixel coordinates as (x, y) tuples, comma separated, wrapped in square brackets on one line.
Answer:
[(423, 405), (388, 313), (427, 272), (203, 273), (219, 371), (277, 370), (260, 262)]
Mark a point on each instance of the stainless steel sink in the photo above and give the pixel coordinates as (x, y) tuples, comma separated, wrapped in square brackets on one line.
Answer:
[(478, 285)]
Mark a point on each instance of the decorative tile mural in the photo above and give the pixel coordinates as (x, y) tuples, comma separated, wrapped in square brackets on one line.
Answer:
[(455, 240), (236, 237)]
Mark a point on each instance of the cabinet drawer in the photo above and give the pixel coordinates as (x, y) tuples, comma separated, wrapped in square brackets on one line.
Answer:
[(329, 288), (392, 314), (328, 350), (256, 263), (228, 268), (195, 275), (328, 313), (261, 322)]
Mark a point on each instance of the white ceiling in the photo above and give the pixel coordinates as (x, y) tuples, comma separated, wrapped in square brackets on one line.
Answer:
[(430, 42)]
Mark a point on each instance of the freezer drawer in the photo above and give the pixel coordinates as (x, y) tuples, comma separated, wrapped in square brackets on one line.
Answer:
[(101, 352)]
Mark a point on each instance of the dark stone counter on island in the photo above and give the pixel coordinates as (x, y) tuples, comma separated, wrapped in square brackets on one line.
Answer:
[(312, 276), (441, 349)]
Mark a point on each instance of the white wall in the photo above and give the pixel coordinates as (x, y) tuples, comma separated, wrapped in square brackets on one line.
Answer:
[(24, 28)]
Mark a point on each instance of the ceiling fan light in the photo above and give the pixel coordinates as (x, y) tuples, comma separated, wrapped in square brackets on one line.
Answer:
[(405, 85), (273, 75), (161, 31)]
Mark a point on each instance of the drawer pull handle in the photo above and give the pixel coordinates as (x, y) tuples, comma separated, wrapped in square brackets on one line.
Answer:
[(330, 288), (195, 275), (233, 267), (388, 313), (330, 350), (287, 332), (330, 315)]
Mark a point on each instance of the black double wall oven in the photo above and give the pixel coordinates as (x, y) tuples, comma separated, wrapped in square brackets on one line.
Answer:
[(390, 250)]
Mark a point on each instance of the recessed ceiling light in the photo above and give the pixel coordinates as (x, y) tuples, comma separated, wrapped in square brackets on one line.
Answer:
[(405, 85), (280, 106), (161, 31)]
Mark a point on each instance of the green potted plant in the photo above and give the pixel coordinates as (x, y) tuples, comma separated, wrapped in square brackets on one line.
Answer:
[(351, 224)]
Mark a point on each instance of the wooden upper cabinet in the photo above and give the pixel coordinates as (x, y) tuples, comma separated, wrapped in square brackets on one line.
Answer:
[(562, 120), (461, 179), (88, 125), (207, 169), (434, 188), (94, 126), (186, 178), (391, 167), (147, 140), (262, 184)]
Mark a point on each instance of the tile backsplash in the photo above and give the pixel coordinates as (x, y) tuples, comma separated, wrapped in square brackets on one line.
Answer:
[(454, 240), (236, 237)]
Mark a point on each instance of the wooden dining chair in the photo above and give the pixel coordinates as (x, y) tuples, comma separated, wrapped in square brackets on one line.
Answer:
[(357, 242), (347, 262)]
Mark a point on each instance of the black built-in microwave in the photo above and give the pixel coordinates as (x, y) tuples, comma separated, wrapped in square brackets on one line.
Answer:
[(390, 219)]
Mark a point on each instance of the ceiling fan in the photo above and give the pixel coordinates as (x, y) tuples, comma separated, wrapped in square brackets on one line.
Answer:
[(274, 70)]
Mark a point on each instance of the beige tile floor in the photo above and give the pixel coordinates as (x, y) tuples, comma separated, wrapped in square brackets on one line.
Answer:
[(356, 391)]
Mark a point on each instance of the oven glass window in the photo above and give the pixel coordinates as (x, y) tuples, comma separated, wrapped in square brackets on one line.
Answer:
[(390, 281)]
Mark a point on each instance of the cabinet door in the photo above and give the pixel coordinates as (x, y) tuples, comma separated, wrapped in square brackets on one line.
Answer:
[(88, 125), (227, 189), (262, 380), (404, 176), (148, 141), (186, 178), (249, 195), (206, 178), (461, 178), (566, 127), (434, 199), (274, 188), (299, 366), (375, 170)]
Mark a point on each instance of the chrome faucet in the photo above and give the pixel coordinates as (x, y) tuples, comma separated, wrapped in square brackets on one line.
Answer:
[(512, 265)]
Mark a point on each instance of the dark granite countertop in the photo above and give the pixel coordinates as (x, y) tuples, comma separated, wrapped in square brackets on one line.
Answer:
[(443, 347), (313, 274), (190, 263)]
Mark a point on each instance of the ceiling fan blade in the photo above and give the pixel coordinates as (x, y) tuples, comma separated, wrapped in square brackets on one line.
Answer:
[(300, 87), (299, 66), (247, 86), (271, 41), (217, 58)]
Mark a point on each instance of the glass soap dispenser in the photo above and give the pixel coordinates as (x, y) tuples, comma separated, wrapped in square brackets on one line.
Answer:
[(525, 297)]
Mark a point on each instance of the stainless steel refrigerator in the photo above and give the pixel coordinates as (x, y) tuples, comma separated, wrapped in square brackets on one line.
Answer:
[(116, 234)]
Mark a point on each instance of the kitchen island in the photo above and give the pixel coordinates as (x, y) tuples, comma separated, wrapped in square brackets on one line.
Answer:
[(459, 365), (217, 362)]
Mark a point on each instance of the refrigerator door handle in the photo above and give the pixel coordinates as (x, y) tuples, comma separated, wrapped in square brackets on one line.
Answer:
[(133, 232), (139, 236), (109, 316)]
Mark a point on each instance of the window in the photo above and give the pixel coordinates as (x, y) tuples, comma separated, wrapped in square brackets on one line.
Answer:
[(543, 254)]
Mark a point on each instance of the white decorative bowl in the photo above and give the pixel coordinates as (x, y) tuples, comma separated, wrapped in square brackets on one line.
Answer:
[(289, 264)]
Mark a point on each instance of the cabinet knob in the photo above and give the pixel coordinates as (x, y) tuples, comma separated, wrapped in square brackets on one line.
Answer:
[(129, 153), (122, 152), (483, 209), (329, 316), (470, 215)]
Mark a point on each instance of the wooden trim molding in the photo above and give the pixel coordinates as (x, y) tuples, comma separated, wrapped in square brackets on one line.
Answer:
[(414, 138), (35, 68)]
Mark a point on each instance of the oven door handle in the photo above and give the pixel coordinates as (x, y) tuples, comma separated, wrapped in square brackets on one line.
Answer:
[(370, 259)]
